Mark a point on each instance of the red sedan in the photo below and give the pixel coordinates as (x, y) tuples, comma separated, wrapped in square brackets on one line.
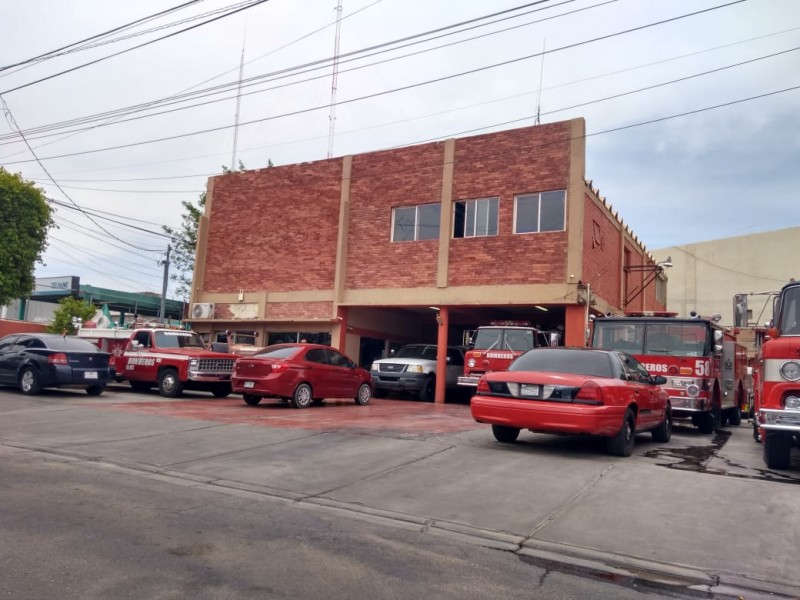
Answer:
[(575, 391), (301, 374)]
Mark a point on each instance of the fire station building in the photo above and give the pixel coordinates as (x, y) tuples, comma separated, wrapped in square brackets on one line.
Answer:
[(419, 244)]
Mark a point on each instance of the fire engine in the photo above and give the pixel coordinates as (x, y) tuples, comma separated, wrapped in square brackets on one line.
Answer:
[(171, 359), (706, 369), (777, 398), (494, 347)]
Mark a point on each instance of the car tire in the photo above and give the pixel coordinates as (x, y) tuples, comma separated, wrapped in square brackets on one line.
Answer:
[(777, 449), (756, 433), (505, 434), (380, 393), (709, 422), (663, 432), (364, 394), (169, 384), (251, 400), (428, 391), (735, 416), (30, 382), (95, 390), (140, 386), (302, 396), (622, 443), (222, 391)]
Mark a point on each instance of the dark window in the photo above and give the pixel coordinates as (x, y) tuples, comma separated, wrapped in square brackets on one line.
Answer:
[(412, 223), (278, 351), (337, 359), (552, 360), (178, 339), (68, 343), (316, 355), (143, 337), (475, 218), (456, 357), (535, 213)]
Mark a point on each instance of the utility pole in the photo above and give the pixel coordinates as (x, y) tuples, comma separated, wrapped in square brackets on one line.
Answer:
[(162, 308)]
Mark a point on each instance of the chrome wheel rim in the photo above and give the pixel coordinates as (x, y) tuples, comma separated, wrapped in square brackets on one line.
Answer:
[(27, 381)]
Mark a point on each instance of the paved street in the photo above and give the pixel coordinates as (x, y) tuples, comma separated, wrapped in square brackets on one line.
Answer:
[(698, 516)]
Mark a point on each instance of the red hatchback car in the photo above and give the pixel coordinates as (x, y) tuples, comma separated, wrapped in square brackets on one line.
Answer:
[(300, 373), (575, 391)]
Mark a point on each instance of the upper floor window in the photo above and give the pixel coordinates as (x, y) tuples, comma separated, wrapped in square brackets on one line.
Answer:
[(412, 223), (534, 213), (475, 218)]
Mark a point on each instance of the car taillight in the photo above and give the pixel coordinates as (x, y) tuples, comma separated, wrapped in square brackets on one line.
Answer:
[(590, 393), (279, 367), (59, 358), (483, 385)]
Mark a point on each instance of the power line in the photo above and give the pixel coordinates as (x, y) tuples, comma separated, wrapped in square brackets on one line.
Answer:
[(121, 223), (393, 90), (102, 212)]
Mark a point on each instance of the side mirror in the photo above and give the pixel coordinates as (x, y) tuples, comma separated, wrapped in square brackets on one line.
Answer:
[(658, 379), (718, 349), (135, 345), (448, 359)]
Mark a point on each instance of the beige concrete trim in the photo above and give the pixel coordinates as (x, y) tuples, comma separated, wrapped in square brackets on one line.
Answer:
[(262, 296), (202, 247), (340, 272), (575, 199), (483, 295), (446, 217)]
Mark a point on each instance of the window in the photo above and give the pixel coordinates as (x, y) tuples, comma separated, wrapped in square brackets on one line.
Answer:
[(535, 213), (475, 218), (413, 223)]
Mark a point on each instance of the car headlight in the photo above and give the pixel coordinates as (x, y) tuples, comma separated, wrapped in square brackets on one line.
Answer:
[(471, 363), (193, 363), (693, 391), (790, 370), (414, 369), (792, 403), (683, 383), (374, 367)]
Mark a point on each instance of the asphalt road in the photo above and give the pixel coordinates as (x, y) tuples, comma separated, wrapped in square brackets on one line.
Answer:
[(135, 496)]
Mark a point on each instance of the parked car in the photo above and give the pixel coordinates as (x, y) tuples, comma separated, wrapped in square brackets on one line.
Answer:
[(413, 369), (300, 373), (575, 391), (33, 361)]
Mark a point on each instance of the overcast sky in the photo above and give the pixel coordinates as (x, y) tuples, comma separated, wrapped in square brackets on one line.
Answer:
[(722, 172)]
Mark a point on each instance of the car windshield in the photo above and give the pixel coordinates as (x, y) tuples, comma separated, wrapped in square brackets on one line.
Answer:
[(178, 339), (70, 344), (277, 352), (577, 362), (417, 351), (790, 312), (499, 338), (656, 337)]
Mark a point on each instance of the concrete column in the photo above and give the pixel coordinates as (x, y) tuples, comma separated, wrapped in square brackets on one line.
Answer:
[(443, 321), (575, 325)]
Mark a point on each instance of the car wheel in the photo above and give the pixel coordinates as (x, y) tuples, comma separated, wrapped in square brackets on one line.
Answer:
[(251, 400), (428, 391), (622, 443), (95, 390), (756, 434), (380, 393), (222, 391), (735, 416), (29, 382), (777, 449), (140, 386), (302, 396), (168, 383), (663, 432), (364, 394), (505, 434)]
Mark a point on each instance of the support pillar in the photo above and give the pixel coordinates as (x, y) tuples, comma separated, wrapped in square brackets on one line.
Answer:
[(575, 325), (443, 321)]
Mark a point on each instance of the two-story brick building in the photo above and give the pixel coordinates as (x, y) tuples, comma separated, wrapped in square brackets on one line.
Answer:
[(420, 243)]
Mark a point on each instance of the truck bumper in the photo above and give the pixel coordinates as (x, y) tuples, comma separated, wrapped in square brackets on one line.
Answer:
[(209, 377), (779, 420), (469, 380), (405, 382)]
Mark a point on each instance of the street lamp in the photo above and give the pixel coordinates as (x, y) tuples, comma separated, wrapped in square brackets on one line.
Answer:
[(652, 270)]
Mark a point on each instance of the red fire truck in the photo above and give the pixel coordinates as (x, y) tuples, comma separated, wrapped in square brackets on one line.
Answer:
[(777, 397), (170, 359), (706, 369), (493, 347)]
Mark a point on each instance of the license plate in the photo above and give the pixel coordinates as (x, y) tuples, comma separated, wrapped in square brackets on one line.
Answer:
[(526, 389), (249, 384), (90, 374)]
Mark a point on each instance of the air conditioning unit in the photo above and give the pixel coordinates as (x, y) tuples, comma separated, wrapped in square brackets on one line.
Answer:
[(203, 310)]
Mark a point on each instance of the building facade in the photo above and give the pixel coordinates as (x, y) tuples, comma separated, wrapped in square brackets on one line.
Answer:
[(422, 243)]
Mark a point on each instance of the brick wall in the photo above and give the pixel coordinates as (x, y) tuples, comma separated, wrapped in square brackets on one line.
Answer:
[(601, 253), (274, 229), (8, 326)]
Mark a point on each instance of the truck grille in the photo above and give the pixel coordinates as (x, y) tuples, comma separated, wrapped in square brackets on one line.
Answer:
[(215, 365), (392, 367)]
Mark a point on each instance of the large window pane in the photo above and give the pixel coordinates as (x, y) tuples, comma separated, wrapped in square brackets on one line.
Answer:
[(527, 214), (459, 214), (552, 214), (404, 219), (469, 229), (494, 207), (428, 221), (482, 216)]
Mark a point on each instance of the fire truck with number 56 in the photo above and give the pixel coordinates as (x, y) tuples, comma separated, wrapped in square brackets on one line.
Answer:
[(706, 369)]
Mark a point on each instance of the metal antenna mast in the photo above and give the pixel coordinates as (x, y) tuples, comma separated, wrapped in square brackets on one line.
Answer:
[(238, 106), (541, 77), (332, 115)]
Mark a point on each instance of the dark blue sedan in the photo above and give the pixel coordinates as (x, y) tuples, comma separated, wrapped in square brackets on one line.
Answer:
[(33, 361)]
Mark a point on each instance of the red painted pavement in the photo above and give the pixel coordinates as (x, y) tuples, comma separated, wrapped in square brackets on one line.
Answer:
[(406, 417)]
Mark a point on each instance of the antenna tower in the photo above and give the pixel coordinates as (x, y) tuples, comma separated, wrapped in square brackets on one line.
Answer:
[(334, 80), (238, 106)]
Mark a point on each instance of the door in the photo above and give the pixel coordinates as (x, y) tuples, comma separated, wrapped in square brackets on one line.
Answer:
[(651, 406), (7, 368), (320, 374), (455, 366), (346, 377)]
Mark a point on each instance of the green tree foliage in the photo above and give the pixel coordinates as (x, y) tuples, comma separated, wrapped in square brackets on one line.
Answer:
[(25, 218), (70, 307)]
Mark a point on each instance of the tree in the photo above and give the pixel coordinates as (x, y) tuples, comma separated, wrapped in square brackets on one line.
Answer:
[(25, 218), (184, 240), (70, 307)]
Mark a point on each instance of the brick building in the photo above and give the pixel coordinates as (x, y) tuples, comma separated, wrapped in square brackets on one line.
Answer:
[(368, 250)]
